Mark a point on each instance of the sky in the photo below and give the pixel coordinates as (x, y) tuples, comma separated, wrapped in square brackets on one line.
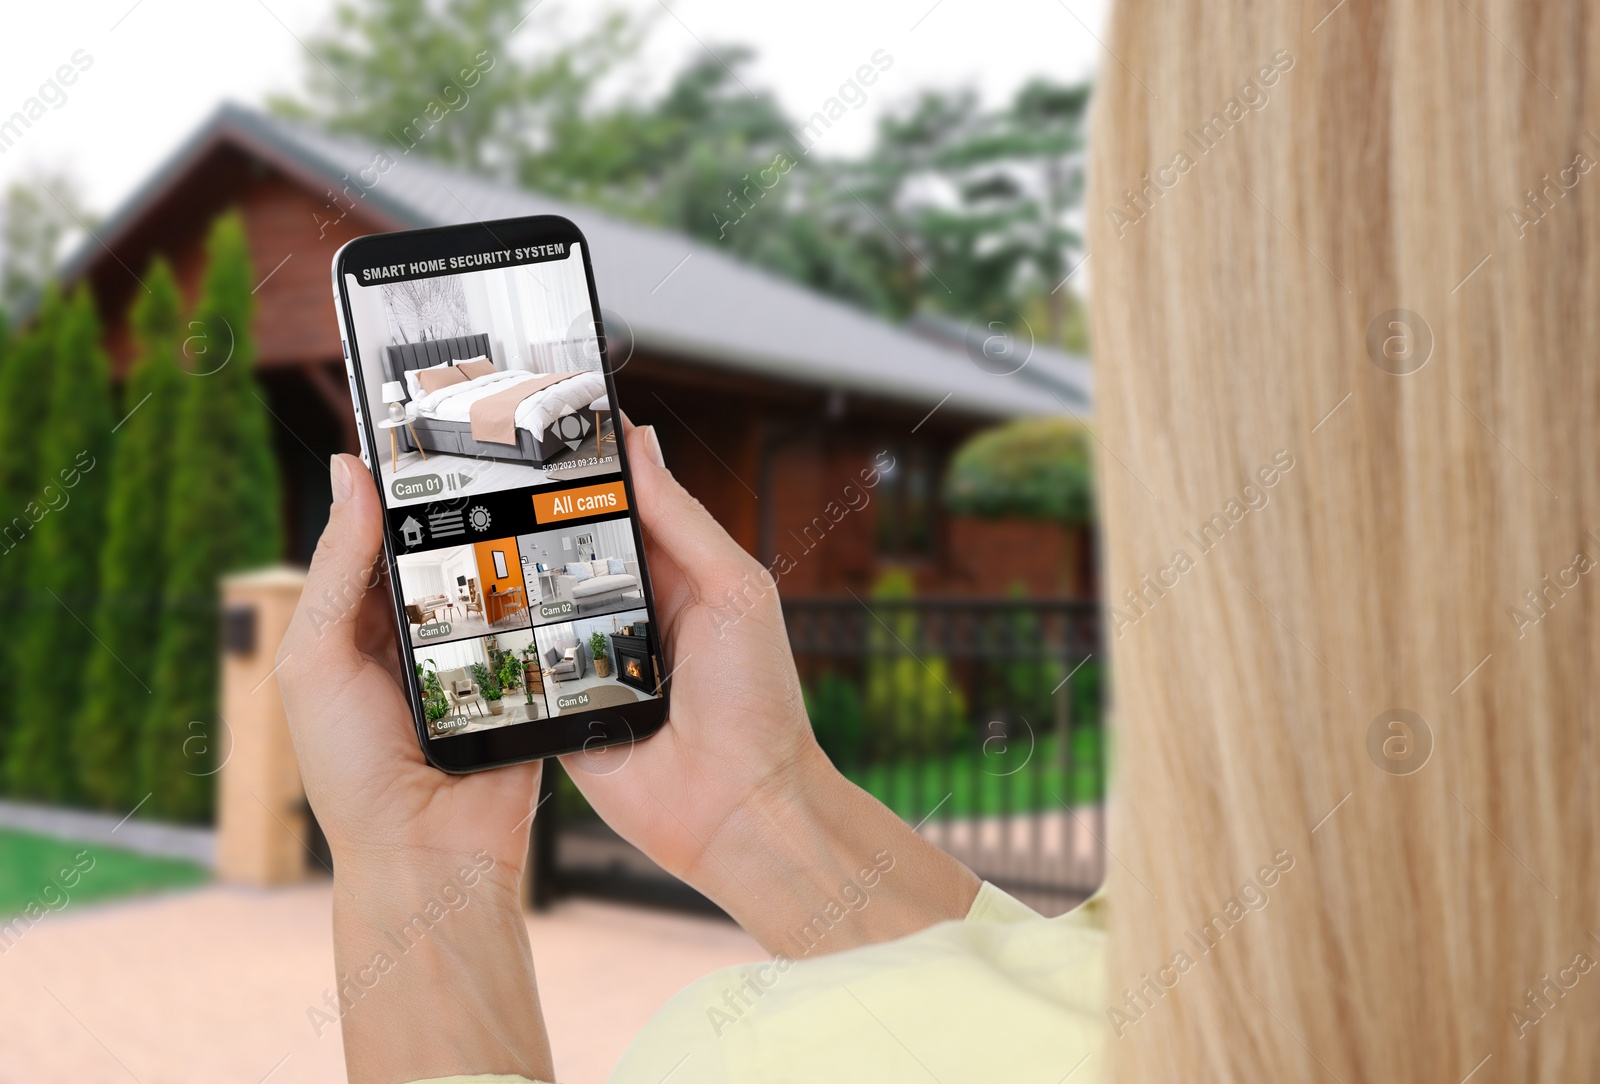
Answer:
[(152, 70)]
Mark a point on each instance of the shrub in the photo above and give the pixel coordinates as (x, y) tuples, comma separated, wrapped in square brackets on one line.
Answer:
[(834, 707), (1033, 468)]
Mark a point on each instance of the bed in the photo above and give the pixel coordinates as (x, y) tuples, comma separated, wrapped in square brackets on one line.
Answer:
[(444, 426)]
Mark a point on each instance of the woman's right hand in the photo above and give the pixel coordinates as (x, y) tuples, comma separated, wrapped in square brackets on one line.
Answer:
[(733, 794)]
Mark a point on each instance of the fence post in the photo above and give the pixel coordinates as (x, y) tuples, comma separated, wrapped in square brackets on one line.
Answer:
[(261, 814)]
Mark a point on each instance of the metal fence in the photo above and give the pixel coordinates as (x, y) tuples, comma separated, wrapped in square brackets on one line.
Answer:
[(976, 720)]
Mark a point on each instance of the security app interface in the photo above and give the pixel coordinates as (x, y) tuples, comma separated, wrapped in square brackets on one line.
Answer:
[(481, 377)]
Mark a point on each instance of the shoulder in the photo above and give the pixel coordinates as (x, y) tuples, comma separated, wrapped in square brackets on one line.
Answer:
[(995, 996)]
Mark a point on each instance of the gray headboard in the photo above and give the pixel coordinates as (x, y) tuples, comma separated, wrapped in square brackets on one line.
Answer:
[(402, 358)]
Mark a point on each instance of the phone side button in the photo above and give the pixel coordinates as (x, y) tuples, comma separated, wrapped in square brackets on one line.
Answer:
[(361, 426)]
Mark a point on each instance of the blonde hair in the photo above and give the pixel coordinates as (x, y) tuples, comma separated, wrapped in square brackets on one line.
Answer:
[(1411, 170)]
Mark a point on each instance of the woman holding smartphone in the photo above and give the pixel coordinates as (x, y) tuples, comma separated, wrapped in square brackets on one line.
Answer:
[(733, 796), (1359, 234)]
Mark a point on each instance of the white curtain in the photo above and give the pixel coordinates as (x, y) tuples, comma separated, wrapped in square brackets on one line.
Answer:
[(455, 654), (556, 317), (550, 635)]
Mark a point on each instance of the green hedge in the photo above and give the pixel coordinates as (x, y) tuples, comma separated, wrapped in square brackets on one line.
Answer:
[(108, 692)]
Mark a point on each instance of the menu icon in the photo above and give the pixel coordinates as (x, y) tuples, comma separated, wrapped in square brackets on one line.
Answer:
[(445, 524)]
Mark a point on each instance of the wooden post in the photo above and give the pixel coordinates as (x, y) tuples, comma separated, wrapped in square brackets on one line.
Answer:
[(262, 827)]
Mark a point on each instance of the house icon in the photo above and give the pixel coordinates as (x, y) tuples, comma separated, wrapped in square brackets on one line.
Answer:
[(411, 531)]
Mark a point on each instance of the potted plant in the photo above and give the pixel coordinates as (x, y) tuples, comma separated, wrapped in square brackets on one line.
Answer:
[(597, 648), (434, 703), (489, 686), (508, 671)]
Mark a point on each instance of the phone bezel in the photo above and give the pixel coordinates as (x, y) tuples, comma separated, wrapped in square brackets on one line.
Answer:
[(559, 734)]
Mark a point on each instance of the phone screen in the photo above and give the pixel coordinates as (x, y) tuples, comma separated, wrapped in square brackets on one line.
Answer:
[(482, 384)]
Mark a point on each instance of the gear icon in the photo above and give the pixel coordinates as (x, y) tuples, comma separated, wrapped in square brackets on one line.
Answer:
[(479, 518)]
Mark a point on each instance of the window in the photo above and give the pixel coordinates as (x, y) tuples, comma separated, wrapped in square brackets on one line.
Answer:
[(907, 491)]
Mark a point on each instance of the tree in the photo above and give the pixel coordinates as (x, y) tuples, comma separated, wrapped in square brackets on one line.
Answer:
[(957, 208), (132, 564), (54, 644), (222, 515), (39, 214), (444, 80), (967, 211), (24, 396)]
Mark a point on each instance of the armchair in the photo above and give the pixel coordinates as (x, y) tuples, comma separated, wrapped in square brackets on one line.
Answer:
[(566, 660), (460, 691)]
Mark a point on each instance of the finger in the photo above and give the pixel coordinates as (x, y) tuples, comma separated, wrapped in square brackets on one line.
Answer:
[(375, 627), (668, 584), (342, 569), (711, 562)]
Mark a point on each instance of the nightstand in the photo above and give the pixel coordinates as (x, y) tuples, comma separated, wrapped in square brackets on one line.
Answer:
[(394, 445)]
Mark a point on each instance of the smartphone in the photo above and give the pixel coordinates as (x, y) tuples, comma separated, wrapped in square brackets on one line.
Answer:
[(487, 412)]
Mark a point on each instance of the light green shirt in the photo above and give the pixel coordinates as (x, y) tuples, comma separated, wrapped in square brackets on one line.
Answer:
[(1004, 995)]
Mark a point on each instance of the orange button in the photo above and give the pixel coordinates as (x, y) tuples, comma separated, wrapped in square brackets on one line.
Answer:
[(579, 503)]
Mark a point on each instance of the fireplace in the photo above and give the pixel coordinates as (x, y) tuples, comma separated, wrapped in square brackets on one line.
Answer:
[(633, 661)]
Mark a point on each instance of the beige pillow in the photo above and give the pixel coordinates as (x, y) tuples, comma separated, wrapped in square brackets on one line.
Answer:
[(414, 389), (433, 380), (476, 368)]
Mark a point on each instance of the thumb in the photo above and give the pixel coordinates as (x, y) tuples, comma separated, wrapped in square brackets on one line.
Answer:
[(346, 565)]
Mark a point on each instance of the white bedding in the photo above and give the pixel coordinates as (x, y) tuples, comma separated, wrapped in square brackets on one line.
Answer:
[(454, 403)]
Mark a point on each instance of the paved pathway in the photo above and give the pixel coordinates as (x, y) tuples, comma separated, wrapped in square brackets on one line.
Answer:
[(213, 986), (197, 845)]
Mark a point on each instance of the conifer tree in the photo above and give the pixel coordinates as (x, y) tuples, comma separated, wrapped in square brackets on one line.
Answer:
[(54, 645), (222, 515), (23, 397), (132, 562)]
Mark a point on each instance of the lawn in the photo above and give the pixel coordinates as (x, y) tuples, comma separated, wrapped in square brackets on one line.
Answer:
[(1020, 780), (32, 869)]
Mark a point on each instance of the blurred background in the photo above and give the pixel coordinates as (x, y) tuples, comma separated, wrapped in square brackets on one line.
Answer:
[(831, 244)]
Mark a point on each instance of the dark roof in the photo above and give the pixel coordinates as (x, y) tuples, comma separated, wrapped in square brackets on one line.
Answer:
[(679, 296)]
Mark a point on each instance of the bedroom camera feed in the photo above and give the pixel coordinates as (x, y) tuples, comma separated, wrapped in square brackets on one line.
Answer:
[(582, 571), (475, 589), (483, 381)]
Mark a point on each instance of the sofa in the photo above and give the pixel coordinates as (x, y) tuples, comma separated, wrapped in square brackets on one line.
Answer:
[(566, 660), (600, 584)]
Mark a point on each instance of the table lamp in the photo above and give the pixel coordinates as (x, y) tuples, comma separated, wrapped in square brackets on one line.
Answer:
[(394, 393)]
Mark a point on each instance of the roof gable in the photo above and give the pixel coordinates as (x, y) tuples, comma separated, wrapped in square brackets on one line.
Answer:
[(679, 296)]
